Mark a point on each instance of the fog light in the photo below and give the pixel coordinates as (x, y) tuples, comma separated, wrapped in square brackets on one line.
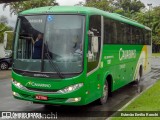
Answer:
[(74, 99), (16, 94)]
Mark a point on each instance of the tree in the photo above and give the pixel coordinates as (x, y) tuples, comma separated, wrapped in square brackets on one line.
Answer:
[(3, 19), (131, 5), (141, 17), (3, 22), (103, 4), (136, 10), (123, 7), (151, 18), (4, 27), (128, 7), (16, 7), (79, 4), (156, 28), (156, 19)]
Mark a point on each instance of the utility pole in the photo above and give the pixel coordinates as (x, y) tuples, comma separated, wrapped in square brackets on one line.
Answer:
[(149, 5)]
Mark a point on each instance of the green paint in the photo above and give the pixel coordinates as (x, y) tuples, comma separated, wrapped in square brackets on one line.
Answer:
[(119, 61)]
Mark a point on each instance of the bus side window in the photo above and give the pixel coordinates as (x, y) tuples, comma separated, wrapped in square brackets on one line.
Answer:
[(95, 29), (129, 34), (110, 31), (147, 37), (107, 28), (133, 35)]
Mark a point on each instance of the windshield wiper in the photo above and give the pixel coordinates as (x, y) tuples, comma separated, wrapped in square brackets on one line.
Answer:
[(54, 66)]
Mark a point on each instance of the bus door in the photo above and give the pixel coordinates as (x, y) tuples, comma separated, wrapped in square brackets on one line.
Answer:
[(94, 53)]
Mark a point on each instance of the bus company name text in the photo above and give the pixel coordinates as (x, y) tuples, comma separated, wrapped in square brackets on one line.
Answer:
[(126, 54)]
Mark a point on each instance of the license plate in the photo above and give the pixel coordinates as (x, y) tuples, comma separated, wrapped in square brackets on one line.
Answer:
[(41, 97)]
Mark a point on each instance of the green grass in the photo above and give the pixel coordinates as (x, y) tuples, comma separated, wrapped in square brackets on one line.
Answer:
[(147, 101), (156, 54)]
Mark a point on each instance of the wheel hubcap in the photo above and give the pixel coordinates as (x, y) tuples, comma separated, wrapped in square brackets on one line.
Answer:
[(3, 66), (138, 78), (105, 92)]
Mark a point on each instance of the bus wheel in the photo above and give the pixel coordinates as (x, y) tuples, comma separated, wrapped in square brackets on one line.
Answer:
[(104, 98), (139, 76)]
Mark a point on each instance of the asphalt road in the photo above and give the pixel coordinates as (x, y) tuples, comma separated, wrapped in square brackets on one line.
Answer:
[(118, 99)]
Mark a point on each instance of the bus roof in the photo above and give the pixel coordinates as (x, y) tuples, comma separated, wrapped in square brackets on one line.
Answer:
[(82, 10)]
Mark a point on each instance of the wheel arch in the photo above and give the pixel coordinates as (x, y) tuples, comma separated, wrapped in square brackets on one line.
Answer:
[(141, 70)]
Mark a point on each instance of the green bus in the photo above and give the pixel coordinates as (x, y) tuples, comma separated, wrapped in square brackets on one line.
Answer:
[(81, 54)]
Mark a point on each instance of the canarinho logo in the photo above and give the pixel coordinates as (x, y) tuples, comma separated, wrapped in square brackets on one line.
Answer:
[(126, 54), (38, 84)]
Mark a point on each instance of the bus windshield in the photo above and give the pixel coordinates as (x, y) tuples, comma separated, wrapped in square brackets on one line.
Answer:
[(44, 39)]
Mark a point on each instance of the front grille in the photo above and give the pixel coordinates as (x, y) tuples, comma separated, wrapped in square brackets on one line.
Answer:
[(41, 90)]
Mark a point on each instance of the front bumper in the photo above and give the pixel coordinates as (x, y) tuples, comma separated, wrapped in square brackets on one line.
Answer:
[(73, 98)]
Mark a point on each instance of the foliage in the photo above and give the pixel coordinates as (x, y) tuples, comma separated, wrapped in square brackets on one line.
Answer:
[(4, 27), (16, 7), (123, 7), (132, 5), (3, 19), (3, 22), (136, 10), (103, 4), (133, 9)]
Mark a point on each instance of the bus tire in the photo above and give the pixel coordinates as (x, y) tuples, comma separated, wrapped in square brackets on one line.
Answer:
[(139, 75), (104, 97)]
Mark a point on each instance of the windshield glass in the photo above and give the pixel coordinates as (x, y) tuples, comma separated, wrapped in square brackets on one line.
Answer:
[(44, 41)]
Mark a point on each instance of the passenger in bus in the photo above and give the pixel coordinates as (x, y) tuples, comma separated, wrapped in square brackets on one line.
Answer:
[(37, 51)]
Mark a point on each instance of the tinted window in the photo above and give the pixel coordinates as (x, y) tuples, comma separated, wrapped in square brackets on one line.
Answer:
[(110, 31), (147, 37), (116, 32)]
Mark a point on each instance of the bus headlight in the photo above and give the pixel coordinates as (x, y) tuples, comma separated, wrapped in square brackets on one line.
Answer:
[(71, 88), (17, 84)]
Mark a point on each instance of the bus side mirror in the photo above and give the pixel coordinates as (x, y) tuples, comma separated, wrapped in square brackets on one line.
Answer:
[(90, 33), (94, 42)]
